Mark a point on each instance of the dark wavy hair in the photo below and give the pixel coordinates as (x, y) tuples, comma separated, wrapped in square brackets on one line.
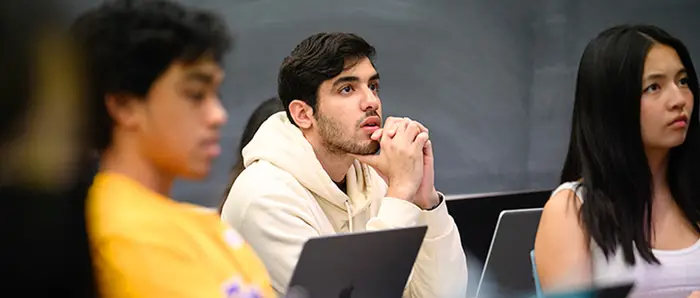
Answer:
[(128, 44), (606, 152), (316, 59)]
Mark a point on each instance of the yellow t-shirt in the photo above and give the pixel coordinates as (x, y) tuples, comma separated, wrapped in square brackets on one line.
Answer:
[(147, 245)]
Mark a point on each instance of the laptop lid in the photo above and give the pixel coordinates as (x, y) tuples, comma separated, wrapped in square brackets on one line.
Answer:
[(508, 270), (367, 264), (612, 291)]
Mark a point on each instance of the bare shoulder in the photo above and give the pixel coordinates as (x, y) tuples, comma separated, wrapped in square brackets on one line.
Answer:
[(563, 205), (560, 218), (561, 245)]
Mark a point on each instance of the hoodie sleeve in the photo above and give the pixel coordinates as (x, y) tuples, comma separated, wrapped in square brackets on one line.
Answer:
[(276, 227), (441, 266)]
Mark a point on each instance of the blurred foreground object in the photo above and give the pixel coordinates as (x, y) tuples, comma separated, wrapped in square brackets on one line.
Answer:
[(44, 174)]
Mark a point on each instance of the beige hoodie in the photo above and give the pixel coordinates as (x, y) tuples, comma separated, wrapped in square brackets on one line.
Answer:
[(284, 197)]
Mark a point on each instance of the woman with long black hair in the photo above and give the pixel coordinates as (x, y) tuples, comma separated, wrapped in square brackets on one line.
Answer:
[(628, 208)]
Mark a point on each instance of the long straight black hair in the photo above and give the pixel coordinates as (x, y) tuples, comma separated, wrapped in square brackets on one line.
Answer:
[(606, 152)]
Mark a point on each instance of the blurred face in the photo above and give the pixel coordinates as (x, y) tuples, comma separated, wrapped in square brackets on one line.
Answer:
[(349, 109), (178, 124), (667, 102)]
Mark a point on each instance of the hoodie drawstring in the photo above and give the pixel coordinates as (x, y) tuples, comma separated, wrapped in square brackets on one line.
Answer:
[(349, 213)]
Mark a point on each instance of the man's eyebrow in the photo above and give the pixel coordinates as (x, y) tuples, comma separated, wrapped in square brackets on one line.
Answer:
[(349, 79)]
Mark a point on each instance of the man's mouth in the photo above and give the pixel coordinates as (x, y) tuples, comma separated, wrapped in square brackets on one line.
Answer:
[(371, 122)]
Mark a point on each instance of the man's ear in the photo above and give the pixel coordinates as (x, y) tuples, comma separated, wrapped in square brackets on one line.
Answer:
[(123, 109), (302, 113)]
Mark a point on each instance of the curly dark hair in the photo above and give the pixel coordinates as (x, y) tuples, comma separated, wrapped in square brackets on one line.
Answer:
[(129, 44)]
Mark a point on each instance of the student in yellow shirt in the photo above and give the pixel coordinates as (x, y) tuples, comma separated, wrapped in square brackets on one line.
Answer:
[(155, 69)]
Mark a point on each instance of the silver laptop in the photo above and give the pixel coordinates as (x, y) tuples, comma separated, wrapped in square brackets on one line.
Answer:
[(367, 264), (508, 270), (611, 291)]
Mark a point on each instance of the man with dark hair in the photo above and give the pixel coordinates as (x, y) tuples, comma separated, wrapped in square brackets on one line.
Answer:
[(312, 170), (155, 69)]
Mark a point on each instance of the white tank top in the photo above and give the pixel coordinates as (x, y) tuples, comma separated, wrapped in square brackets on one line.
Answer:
[(676, 277)]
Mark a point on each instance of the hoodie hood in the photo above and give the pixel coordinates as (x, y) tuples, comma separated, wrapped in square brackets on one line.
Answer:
[(282, 144)]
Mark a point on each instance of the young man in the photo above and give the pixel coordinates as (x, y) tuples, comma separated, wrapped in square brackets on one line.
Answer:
[(155, 71), (312, 170)]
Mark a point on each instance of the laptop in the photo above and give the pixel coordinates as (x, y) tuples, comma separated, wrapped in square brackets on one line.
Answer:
[(613, 291), (508, 271), (367, 264)]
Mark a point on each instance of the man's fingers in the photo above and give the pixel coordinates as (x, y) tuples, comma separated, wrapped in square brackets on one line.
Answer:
[(422, 127), (377, 134), (412, 130), (399, 129), (420, 141), (428, 149), (389, 122), (392, 125), (391, 131)]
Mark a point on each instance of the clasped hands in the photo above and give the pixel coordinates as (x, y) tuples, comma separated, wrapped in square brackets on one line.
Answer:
[(405, 161)]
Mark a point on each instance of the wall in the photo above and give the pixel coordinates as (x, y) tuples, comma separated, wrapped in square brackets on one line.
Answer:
[(493, 80), (462, 68)]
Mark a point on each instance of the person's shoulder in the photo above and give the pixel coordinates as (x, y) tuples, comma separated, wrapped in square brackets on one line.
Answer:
[(115, 207), (261, 187), (564, 205), (560, 221), (118, 212), (137, 226), (572, 191), (263, 179), (570, 185), (181, 227), (111, 190), (264, 173)]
